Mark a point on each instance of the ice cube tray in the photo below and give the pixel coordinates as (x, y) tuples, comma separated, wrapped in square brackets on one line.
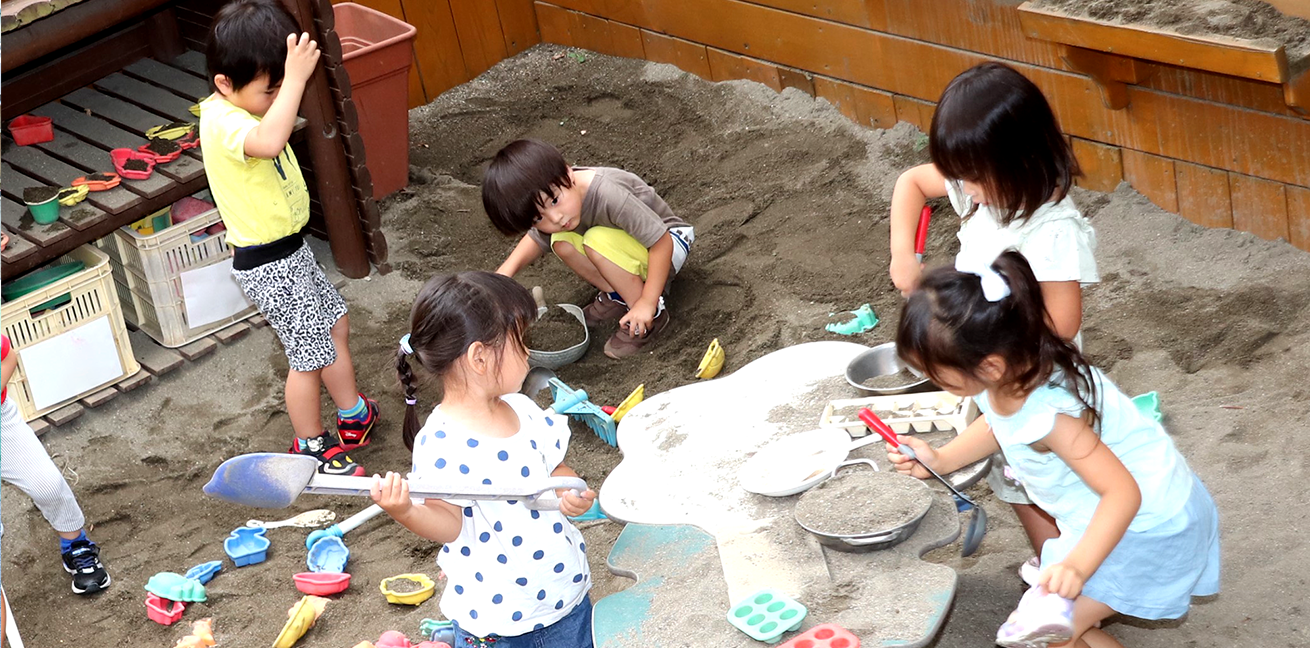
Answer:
[(905, 413), (766, 614), (826, 635)]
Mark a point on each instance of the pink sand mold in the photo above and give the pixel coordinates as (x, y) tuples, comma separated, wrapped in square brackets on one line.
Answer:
[(204, 572), (766, 614), (328, 554), (824, 635), (321, 584), (176, 587), (246, 546), (164, 611)]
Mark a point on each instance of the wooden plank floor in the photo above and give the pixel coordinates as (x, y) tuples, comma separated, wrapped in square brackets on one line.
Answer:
[(15, 216), (147, 96), (187, 85), (79, 217), (17, 248), (51, 171)]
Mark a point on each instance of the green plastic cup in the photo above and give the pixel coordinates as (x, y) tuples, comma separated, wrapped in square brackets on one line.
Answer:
[(46, 212)]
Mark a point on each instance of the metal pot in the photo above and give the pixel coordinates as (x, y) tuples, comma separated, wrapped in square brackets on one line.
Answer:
[(866, 542), (880, 361)]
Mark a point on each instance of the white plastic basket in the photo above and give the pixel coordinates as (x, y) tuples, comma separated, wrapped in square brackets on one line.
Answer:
[(92, 296), (148, 269)]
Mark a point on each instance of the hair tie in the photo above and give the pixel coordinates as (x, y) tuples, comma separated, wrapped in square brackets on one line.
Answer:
[(993, 284), (411, 401), (404, 345)]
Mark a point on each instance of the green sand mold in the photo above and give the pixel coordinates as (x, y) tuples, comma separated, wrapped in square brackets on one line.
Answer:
[(176, 587)]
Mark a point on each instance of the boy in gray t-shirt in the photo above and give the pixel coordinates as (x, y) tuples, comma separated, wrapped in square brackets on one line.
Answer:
[(605, 224)]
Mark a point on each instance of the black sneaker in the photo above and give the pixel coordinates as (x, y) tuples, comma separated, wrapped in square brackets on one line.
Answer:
[(332, 458), (82, 560), (354, 433)]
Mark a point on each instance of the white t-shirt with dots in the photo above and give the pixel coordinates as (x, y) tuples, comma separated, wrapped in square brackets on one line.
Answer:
[(512, 569)]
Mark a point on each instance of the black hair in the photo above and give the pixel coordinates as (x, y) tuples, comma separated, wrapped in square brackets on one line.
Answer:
[(515, 181), (248, 39), (452, 312), (994, 127), (947, 323)]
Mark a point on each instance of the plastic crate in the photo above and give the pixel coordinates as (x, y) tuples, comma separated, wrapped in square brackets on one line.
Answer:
[(148, 269), (92, 296)]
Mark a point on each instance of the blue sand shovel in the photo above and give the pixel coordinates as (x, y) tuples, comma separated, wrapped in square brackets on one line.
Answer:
[(345, 526), (275, 480)]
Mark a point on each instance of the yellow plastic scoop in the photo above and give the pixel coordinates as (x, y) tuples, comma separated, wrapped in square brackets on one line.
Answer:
[(712, 363), (300, 618), (637, 395)]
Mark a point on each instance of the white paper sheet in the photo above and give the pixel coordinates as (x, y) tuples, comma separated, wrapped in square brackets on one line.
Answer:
[(212, 294), (71, 363)]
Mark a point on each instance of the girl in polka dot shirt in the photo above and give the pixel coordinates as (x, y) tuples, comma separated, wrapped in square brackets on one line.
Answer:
[(514, 576)]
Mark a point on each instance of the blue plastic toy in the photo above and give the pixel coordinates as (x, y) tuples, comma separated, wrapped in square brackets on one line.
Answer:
[(176, 587), (204, 572), (328, 555), (246, 546), (1149, 404), (434, 630), (574, 403), (766, 614), (863, 320)]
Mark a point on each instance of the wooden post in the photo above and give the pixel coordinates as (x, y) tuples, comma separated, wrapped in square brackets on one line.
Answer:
[(328, 157)]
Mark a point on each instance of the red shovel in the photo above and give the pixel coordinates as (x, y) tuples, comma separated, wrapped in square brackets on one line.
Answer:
[(921, 234), (977, 528)]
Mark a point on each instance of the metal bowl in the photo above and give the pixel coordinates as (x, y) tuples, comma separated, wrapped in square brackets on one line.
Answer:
[(864, 543), (555, 359), (880, 361)]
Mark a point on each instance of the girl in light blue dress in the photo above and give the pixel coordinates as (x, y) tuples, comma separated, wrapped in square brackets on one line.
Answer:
[(1139, 533)]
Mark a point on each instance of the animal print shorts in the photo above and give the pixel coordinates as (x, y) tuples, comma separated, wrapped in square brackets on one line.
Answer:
[(300, 303)]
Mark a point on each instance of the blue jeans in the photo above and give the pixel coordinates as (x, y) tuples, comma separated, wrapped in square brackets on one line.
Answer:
[(572, 631)]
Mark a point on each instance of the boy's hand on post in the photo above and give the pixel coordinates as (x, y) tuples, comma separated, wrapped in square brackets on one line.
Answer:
[(572, 505), (639, 317), (391, 493), (302, 57)]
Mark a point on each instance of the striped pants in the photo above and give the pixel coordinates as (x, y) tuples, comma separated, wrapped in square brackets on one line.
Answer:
[(25, 463)]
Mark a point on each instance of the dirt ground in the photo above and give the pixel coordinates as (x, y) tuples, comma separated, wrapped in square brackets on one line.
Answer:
[(789, 201)]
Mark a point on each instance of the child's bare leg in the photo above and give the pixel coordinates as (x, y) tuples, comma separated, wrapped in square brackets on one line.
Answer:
[(628, 285), (582, 266), (1038, 524), (1087, 614), (339, 377), (304, 402)]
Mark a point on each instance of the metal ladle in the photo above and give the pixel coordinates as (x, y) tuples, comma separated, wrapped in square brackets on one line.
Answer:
[(977, 528)]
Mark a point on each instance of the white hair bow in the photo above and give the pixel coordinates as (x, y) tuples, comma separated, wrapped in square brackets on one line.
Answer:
[(993, 284)]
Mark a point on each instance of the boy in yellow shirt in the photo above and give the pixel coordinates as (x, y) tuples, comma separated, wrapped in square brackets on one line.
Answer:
[(259, 69)]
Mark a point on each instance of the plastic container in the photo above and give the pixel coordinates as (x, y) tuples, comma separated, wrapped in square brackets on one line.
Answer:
[(555, 359), (204, 572), (176, 587), (424, 591), (321, 584), (164, 611), (328, 555), (766, 614), (148, 269), (120, 156), (376, 52), (825, 635), (90, 296), (45, 212), (246, 546), (28, 130), (99, 185)]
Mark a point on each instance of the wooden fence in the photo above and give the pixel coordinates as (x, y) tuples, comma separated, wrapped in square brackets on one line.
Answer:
[(1227, 149)]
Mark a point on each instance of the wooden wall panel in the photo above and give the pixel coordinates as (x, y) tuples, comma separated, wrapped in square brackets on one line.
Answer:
[(1203, 196), (1259, 206), (481, 40), (1298, 216), (554, 25), (861, 13), (627, 41), (725, 66), (1102, 165), (911, 110), (1153, 177), (865, 106), (799, 79), (518, 22), (440, 61), (685, 54)]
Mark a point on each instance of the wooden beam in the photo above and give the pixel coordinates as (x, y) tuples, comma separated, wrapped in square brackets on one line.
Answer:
[(1111, 73)]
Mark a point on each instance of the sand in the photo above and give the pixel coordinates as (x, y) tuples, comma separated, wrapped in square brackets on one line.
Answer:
[(38, 195), (789, 201), (134, 164), (863, 502), (162, 147), (1241, 19), (557, 330), (898, 379)]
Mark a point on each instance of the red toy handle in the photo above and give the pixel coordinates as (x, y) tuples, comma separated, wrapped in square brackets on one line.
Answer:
[(921, 234), (876, 424)]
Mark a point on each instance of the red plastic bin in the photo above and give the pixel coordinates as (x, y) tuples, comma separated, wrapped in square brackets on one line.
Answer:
[(376, 51), (28, 130)]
